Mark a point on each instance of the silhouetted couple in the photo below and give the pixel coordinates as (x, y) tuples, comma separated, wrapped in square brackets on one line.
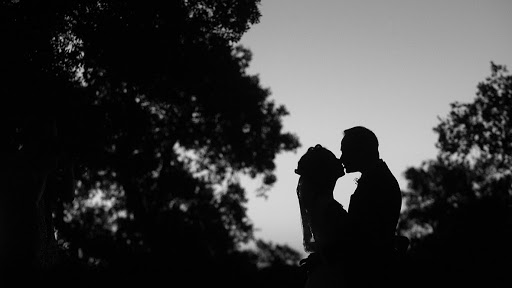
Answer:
[(353, 248)]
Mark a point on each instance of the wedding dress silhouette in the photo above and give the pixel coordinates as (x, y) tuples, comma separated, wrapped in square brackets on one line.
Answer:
[(324, 220)]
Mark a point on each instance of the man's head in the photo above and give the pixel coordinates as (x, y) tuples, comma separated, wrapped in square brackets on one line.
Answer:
[(359, 147)]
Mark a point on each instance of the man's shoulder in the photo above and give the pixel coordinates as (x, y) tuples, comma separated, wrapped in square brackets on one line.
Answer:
[(379, 170), (384, 169), (378, 178), (383, 177)]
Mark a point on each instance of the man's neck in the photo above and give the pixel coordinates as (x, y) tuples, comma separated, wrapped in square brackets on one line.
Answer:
[(370, 165)]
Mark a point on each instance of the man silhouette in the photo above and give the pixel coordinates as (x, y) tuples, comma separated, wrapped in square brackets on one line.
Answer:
[(373, 210)]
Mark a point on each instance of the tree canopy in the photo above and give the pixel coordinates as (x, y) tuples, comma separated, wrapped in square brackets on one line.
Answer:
[(458, 205), (148, 107)]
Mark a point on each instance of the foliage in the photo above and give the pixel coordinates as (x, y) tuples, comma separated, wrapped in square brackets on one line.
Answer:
[(271, 254), (458, 205), (475, 154), (152, 106)]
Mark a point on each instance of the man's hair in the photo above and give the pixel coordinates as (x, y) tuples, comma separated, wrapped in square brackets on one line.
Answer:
[(365, 140)]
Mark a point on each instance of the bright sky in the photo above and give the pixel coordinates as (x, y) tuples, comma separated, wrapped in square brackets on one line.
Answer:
[(392, 66)]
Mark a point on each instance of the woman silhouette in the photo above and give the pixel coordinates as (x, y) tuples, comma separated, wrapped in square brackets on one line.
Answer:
[(324, 220)]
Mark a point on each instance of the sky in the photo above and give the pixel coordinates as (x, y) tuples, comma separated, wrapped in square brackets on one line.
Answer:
[(391, 66)]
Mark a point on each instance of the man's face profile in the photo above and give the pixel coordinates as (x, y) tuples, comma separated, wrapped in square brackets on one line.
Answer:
[(348, 155)]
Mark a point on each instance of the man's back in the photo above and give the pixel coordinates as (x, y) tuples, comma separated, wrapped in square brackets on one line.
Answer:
[(374, 207), (373, 213)]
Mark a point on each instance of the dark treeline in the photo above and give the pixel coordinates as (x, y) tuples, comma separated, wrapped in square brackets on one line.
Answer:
[(458, 206), (128, 126)]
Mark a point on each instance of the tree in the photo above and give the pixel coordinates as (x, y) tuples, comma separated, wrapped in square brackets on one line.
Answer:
[(151, 109), (278, 266), (457, 207)]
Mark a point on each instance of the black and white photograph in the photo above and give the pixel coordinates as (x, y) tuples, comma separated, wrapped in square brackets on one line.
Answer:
[(256, 143)]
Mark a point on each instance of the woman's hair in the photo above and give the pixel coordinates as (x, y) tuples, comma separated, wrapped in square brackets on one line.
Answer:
[(319, 162)]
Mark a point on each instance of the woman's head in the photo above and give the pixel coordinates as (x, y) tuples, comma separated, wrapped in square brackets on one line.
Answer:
[(319, 163), (318, 169)]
